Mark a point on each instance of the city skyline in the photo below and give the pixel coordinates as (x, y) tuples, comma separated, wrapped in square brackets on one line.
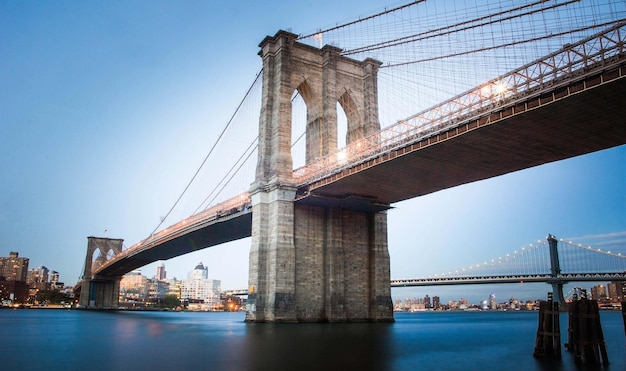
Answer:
[(107, 109)]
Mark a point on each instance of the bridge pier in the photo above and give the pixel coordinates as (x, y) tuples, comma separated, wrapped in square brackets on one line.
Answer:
[(322, 260), (100, 293), (325, 264)]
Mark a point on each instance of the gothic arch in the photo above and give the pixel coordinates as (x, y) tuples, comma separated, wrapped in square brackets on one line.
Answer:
[(353, 116)]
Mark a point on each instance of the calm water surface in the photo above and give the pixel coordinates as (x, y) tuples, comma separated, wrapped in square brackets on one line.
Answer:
[(79, 340)]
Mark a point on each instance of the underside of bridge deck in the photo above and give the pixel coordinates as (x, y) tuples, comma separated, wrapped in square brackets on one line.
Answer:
[(545, 130)]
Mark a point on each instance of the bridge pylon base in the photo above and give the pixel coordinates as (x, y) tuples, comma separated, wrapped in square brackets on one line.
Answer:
[(327, 264), (100, 293)]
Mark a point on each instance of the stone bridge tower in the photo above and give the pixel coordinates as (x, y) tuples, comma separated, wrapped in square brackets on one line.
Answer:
[(100, 292), (312, 262)]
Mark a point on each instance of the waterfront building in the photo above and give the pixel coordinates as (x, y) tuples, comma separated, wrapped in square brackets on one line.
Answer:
[(133, 286), (198, 289), (156, 289), (175, 287), (13, 292), (14, 268)]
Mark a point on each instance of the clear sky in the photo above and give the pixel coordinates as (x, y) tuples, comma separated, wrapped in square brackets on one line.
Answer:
[(107, 109)]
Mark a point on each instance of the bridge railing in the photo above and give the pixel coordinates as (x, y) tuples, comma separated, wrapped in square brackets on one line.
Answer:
[(572, 62), (229, 207)]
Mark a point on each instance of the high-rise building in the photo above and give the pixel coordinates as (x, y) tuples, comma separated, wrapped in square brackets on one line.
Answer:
[(14, 268), (598, 292), (427, 302), (436, 302), (199, 272), (37, 278), (199, 288), (160, 272), (55, 284), (493, 305)]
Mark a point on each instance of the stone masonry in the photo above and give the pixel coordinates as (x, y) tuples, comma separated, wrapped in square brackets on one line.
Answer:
[(99, 292), (312, 263)]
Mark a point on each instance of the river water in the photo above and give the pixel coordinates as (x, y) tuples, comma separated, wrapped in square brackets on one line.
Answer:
[(80, 340)]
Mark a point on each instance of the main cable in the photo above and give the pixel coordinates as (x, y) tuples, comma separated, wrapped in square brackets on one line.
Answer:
[(210, 152)]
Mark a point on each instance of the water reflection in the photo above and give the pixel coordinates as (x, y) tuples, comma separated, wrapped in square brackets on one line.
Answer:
[(362, 346)]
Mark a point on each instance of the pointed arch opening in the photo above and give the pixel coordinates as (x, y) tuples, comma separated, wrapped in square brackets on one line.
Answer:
[(342, 127), (299, 124), (352, 119)]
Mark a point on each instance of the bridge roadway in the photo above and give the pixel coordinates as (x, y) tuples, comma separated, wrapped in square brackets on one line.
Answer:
[(576, 119), (222, 227), (546, 278), (580, 116)]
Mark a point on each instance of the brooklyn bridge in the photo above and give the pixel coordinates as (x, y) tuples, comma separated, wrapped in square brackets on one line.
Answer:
[(316, 206)]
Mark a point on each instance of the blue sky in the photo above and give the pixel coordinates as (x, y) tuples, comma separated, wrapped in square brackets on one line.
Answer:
[(107, 108)]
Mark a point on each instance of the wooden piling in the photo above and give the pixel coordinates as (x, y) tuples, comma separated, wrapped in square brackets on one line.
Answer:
[(585, 336), (548, 340), (624, 315)]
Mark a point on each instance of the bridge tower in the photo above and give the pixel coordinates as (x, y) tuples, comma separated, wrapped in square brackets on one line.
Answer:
[(555, 270), (100, 292), (319, 261)]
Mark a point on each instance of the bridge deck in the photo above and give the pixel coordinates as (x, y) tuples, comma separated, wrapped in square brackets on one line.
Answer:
[(211, 233), (544, 129)]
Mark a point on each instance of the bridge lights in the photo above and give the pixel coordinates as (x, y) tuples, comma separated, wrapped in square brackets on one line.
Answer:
[(500, 88), (494, 90)]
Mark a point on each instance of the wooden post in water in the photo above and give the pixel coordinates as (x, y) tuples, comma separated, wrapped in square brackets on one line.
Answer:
[(624, 315), (548, 341), (586, 339)]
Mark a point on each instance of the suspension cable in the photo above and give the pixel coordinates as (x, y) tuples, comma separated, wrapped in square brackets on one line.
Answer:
[(499, 46), (210, 152), (361, 20), (446, 30), (230, 171)]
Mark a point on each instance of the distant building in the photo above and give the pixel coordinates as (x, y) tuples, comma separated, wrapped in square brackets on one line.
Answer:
[(201, 290), (133, 286), (156, 289), (493, 304), (55, 284), (13, 268), (616, 290), (598, 292), (175, 287), (14, 291), (160, 272), (427, 302), (37, 278), (436, 302)]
